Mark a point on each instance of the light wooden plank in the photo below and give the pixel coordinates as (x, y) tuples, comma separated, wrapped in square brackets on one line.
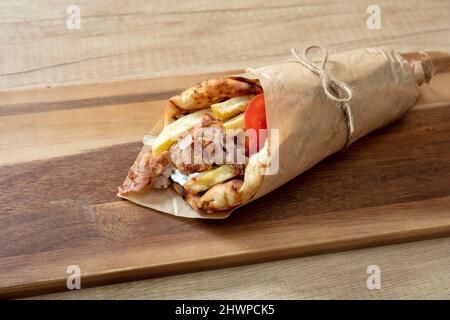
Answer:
[(39, 136), (168, 38), (47, 123)]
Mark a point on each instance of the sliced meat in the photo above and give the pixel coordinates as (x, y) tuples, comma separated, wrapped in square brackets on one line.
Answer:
[(148, 170), (162, 169), (195, 150), (206, 146)]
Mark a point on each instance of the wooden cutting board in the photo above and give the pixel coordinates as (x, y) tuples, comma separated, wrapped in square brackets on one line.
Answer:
[(65, 150)]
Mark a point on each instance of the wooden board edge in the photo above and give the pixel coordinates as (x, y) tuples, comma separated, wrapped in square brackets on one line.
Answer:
[(226, 261)]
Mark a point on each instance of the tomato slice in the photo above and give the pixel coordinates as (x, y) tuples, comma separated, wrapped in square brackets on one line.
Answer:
[(255, 118)]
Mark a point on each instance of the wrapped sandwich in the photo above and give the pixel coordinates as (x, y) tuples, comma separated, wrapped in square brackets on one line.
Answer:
[(228, 141)]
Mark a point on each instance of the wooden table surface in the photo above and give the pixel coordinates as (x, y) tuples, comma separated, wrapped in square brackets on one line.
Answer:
[(141, 39)]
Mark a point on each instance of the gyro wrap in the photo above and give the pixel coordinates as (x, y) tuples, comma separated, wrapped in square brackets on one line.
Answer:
[(309, 125)]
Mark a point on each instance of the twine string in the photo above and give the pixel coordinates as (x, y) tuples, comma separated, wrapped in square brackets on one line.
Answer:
[(334, 89)]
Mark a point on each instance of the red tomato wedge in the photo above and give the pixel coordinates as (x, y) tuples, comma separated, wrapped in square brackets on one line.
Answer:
[(255, 118)]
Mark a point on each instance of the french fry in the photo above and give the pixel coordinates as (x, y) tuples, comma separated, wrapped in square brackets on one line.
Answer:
[(237, 122), (208, 179), (228, 109), (174, 130)]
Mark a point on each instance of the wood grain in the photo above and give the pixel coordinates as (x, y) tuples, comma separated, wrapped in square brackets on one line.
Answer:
[(161, 38), (140, 39), (62, 210), (55, 122), (417, 270)]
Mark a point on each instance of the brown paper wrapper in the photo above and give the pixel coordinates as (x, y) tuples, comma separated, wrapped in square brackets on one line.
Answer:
[(312, 127)]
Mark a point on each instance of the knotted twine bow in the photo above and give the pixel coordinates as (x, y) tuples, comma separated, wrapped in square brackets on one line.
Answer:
[(334, 89)]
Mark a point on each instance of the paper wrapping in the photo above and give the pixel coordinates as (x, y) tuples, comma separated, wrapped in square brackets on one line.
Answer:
[(311, 126)]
